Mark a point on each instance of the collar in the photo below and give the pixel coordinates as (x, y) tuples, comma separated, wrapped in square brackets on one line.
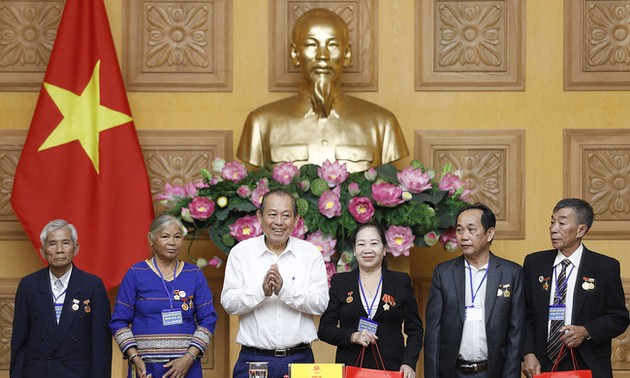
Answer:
[(575, 257), (65, 279), (262, 247), (467, 264)]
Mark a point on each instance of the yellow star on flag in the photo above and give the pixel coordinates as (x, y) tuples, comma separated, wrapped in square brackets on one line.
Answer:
[(83, 117)]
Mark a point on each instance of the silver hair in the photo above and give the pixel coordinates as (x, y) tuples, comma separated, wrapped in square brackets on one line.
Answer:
[(56, 224), (160, 222)]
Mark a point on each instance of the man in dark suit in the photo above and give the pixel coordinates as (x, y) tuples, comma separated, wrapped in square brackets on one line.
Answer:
[(593, 312), (60, 327), (475, 313)]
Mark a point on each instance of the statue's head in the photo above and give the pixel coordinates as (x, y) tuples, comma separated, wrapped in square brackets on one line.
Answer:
[(321, 47)]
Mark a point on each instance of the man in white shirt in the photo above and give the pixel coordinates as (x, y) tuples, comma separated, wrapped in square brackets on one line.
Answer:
[(275, 283), (574, 298), (475, 313)]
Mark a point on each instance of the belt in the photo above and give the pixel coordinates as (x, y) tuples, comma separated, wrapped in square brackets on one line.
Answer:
[(467, 367), (278, 352)]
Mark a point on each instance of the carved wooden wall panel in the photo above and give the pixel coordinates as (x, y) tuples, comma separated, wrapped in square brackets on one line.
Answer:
[(492, 164), (177, 45), (361, 17), (470, 45), (171, 156), (11, 145), (27, 33), (597, 169), (596, 45), (8, 287)]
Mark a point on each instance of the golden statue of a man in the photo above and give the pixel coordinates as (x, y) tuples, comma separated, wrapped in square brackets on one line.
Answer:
[(321, 122)]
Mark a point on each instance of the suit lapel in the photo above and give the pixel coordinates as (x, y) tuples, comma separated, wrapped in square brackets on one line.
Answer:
[(588, 268), (388, 288), (67, 313), (545, 276), (459, 285), (353, 285), (45, 305), (494, 278)]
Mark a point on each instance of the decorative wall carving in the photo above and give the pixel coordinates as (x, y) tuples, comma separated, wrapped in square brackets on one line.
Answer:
[(596, 45), (597, 169), (171, 156), (361, 17), (27, 32), (492, 164), (178, 45), (8, 287), (463, 45), (175, 157)]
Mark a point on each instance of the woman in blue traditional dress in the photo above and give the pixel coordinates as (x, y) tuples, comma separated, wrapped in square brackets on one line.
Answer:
[(164, 318)]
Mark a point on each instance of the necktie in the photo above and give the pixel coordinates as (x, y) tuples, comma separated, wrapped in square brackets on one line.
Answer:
[(554, 343), (58, 306)]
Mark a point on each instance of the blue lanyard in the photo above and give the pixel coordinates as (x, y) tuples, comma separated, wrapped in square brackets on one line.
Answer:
[(369, 309), (566, 281), (168, 295), (59, 296), (473, 293)]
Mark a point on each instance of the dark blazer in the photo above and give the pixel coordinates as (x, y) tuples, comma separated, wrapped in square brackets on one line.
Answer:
[(341, 319), (79, 346), (504, 315), (601, 310)]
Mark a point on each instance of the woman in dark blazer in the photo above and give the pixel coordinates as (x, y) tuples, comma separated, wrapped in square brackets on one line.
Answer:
[(383, 296)]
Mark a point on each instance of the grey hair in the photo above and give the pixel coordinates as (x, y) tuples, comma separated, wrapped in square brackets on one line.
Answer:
[(56, 224), (160, 222)]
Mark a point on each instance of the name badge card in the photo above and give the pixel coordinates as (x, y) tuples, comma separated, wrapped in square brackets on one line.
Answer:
[(474, 313), (366, 324), (171, 317), (556, 312)]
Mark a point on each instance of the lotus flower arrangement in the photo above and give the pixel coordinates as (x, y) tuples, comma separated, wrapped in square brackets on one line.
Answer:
[(416, 206)]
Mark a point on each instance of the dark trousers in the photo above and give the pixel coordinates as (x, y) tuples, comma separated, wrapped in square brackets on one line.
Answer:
[(278, 366)]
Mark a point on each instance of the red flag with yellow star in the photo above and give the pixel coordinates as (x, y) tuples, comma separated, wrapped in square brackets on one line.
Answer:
[(81, 160)]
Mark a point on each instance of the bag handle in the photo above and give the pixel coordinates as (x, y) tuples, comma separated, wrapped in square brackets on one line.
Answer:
[(576, 366), (375, 350)]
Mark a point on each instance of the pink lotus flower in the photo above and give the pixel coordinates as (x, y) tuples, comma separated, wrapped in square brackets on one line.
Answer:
[(370, 174), (430, 238), (325, 243), (333, 173), (234, 171), (201, 208), (354, 189), (386, 194), (214, 262), (449, 239), (361, 209), (300, 229), (245, 228), (399, 240), (451, 183), (329, 204), (244, 191), (414, 180), (172, 192), (285, 172), (259, 192)]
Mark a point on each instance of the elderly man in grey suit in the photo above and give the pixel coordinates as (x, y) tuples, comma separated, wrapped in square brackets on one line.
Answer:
[(476, 310)]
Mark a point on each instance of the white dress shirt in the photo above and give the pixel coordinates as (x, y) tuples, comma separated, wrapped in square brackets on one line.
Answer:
[(278, 321), (474, 345), (572, 273), (59, 295)]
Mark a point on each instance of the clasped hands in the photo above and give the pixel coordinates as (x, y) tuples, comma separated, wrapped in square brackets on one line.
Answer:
[(272, 283), (572, 336)]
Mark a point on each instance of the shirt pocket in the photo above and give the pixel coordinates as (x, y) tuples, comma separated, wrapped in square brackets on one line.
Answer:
[(354, 153), (289, 152)]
